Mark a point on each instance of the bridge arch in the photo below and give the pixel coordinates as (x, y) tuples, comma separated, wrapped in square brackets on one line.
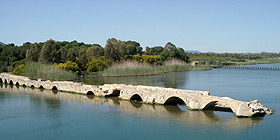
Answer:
[(32, 86), (5, 82), (17, 84), (54, 88), (213, 106), (115, 93), (174, 101), (136, 97), (11, 82), (1, 81), (90, 93), (41, 87)]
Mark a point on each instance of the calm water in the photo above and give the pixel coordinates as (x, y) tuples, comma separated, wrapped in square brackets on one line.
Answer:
[(35, 114)]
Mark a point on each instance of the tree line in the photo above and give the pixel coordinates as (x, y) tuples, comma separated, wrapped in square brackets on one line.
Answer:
[(79, 57)]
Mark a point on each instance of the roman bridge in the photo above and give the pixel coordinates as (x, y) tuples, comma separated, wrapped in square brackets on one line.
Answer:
[(194, 100)]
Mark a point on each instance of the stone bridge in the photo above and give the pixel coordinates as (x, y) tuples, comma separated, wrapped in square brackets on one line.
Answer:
[(194, 100), (207, 117)]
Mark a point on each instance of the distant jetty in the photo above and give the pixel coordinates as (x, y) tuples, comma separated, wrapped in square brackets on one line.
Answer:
[(194, 100), (247, 67)]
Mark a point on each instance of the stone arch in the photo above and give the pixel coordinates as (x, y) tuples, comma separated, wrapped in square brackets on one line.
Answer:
[(5, 82), (11, 82), (54, 88), (136, 97), (24, 86), (1, 81), (32, 86), (41, 87), (174, 101), (17, 84), (90, 93), (213, 106), (115, 93)]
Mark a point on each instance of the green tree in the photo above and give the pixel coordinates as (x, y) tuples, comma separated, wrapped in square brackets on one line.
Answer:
[(95, 51), (171, 51), (154, 50), (32, 52), (169, 46), (50, 52), (132, 48), (111, 49), (72, 55)]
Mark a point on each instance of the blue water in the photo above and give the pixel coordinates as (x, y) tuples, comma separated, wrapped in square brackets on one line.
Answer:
[(35, 114)]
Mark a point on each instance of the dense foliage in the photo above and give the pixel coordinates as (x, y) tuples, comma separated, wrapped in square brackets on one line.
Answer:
[(80, 58)]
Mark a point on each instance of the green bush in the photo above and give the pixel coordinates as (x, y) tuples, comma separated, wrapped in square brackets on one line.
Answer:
[(97, 64), (70, 66), (18, 70)]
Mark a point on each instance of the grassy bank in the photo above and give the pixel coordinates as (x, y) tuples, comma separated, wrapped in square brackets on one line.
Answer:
[(130, 68), (36, 70), (259, 61)]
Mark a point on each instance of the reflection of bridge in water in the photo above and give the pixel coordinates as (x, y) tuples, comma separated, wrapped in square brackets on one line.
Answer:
[(207, 117), (246, 67)]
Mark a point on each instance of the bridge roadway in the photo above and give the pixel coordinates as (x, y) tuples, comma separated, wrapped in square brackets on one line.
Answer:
[(195, 100)]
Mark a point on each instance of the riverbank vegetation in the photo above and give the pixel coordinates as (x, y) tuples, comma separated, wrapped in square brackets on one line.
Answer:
[(35, 70), (51, 59), (132, 68)]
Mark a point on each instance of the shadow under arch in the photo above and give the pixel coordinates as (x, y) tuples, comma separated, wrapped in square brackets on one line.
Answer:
[(41, 87), (136, 104), (116, 93), (5, 82), (213, 106), (90, 97), (23, 85), (32, 86), (17, 84), (90, 93), (54, 88), (173, 109), (174, 101), (1, 81), (136, 97), (11, 82)]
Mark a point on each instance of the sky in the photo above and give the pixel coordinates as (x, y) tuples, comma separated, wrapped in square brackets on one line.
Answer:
[(203, 25)]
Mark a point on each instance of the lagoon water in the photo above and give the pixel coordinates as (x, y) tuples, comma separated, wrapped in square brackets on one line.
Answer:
[(35, 114)]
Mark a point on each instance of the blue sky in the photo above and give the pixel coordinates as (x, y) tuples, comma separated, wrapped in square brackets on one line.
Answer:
[(204, 25)]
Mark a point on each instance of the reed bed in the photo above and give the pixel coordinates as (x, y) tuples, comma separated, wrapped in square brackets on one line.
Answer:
[(36, 70), (132, 68)]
